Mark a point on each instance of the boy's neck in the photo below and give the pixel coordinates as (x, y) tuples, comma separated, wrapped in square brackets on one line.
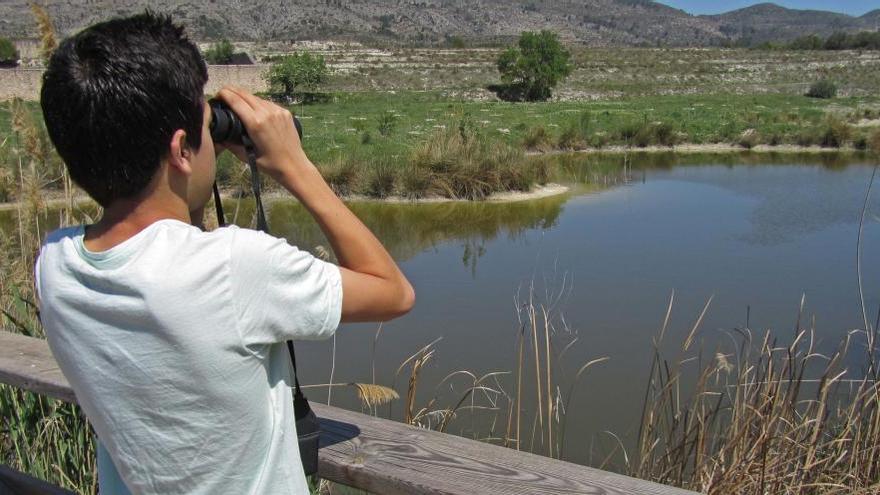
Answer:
[(125, 218)]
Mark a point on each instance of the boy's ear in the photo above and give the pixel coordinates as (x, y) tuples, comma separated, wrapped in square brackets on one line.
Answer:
[(179, 153)]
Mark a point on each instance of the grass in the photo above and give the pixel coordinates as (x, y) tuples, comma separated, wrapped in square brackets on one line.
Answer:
[(402, 128), (763, 416)]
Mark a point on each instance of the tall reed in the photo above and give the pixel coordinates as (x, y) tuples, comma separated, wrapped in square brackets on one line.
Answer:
[(764, 417), (43, 437)]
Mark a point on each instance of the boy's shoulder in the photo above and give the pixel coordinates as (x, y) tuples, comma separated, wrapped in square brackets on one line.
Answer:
[(63, 233)]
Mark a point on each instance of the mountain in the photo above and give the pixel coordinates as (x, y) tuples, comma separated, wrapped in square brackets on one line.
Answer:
[(770, 22), (872, 18), (591, 22)]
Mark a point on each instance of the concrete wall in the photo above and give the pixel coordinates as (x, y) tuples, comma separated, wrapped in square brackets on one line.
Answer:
[(25, 83)]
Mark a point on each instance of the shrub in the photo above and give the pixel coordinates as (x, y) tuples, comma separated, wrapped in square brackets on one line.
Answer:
[(835, 134), (415, 182), (219, 53), (8, 53), (7, 185), (749, 139), (341, 174), (538, 139), (379, 182), (599, 140), (664, 134), (387, 121), (576, 135), (469, 167), (874, 141), (822, 89), (629, 131), (644, 134), (807, 137)]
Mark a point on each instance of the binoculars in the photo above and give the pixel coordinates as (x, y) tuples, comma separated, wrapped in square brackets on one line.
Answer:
[(226, 127)]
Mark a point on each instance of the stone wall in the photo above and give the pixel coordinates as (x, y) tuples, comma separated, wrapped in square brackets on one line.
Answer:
[(25, 83)]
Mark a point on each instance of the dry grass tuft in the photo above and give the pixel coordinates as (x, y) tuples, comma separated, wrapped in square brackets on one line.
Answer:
[(762, 418)]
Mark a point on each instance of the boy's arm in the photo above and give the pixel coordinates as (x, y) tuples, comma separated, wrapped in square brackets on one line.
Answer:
[(373, 287)]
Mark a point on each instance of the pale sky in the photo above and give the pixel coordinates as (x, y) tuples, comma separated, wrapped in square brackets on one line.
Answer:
[(851, 7)]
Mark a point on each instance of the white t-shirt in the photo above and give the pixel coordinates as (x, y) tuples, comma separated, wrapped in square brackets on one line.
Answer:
[(173, 343)]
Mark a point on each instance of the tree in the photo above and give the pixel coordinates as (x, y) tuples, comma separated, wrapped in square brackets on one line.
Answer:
[(8, 53), (219, 53), (299, 72), (535, 66)]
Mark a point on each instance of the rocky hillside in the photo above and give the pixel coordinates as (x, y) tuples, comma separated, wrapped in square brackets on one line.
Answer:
[(592, 22), (770, 22)]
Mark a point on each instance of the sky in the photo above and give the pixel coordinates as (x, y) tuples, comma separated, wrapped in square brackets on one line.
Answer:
[(851, 7)]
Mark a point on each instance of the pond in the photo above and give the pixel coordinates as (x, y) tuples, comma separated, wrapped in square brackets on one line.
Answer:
[(754, 233), (757, 237)]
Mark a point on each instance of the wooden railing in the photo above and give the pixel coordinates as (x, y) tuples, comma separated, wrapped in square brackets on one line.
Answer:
[(379, 455)]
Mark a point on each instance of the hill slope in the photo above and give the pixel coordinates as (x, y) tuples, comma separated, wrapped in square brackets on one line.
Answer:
[(767, 21), (592, 22)]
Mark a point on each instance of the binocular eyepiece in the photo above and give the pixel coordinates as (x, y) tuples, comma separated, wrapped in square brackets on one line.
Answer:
[(226, 127)]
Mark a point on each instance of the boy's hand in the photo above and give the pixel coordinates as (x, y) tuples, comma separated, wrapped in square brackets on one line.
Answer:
[(271, 128)]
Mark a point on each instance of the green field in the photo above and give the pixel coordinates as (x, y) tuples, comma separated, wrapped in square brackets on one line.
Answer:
[(415, 122)]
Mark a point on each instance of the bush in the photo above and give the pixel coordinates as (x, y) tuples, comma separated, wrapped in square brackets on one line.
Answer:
[(664, 134), (807, 137), (469, 167), (379, 182), (822, 89), (835, 134), (341, 175), (219, 53), (874, 141), (387, 121), (535, 66), (8, 53), (538, 139), (644, 134), (749, 139), (300, 72), (576, 135), (415, 182), (629, 131)]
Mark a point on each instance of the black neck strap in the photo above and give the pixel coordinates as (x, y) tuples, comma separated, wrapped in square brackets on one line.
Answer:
[(261, 225)]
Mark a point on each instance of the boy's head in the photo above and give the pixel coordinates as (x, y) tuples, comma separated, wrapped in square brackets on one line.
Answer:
[(114, 98)]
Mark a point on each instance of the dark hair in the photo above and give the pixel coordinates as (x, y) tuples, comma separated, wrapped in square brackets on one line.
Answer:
[(114, 94)]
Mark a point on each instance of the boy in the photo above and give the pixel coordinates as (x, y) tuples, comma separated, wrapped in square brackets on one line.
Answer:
[(171, 337)]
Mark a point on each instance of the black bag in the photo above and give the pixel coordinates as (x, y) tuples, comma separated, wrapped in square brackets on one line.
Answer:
[(308, 429)]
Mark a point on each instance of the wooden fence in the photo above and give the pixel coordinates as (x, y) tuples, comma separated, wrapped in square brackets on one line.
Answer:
[(373, 454)]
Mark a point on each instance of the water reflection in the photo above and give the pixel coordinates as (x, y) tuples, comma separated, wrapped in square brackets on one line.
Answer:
[(409, 229)]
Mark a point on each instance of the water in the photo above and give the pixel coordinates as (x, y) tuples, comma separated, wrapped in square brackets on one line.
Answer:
[(757, 236)]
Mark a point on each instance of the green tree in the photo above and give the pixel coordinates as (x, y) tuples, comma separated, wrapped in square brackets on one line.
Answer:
[(300, 72), (8, 53), (535, 66), (219, 53)]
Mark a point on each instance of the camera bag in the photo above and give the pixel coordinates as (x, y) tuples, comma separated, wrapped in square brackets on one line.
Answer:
[(308, 429)]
